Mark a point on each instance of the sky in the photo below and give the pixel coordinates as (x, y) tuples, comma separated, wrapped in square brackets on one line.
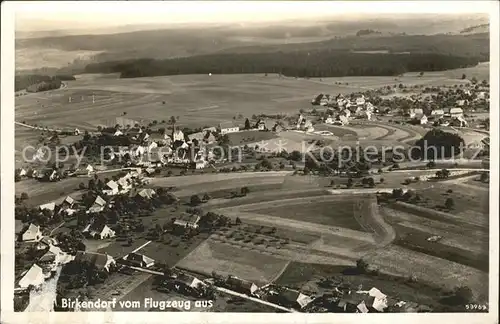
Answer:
[(49, 15)]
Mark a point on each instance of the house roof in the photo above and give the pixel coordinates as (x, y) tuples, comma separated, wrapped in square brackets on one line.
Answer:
[(197, 136), (456, 111), (188, 280), (50, 206), (211, 129), (69, 200), (112, 184), (99, 201), (99, 260), (33, 276), (49, 240), (139, 258), (187, 219), (147, 193), (31, 230), (96, 228), (51, 254), (245, 284)]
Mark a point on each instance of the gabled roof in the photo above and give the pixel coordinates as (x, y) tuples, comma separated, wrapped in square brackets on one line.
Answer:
[(238, 282), (112, 184), (99, 201), (147, 193), (34, 276), (187, 219), (456, 111), (138, 258), (50, 206), (31, 230), (51, 254), (189, 280), (69, 200), (99, 260)]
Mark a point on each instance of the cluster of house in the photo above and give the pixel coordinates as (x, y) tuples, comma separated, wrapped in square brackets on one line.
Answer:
[(439, 117), (52, 175), (47, 263), (346, 108)]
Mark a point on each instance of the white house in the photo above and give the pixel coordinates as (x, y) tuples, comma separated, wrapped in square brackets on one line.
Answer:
[(187, 220), (22, 173), (33, 277), (32, 234), (228, 127)]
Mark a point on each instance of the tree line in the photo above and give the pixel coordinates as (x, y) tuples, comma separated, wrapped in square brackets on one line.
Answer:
[(38, 82), (315, 63)]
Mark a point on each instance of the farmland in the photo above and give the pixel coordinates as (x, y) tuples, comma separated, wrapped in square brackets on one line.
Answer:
[(198, 100)]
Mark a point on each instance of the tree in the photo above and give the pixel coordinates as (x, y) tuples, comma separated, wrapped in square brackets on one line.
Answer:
[(449, 203), (306, 171), (382, 180), (238, 221), (24, 196), (349, 182), (474, 80), (332, 183), (195, 200), (431, 164), (206, 197), (244, 191), (362, 266), (484, 177), (464, 76), (421, 74), (463, 294), (295, 156), (247, 124)]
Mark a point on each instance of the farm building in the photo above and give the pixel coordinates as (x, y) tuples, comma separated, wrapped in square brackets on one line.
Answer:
[(187, 283), (97, 206), (31, 234), (49, 206), (98, 231), (292, 298), (55, 256), (97, 260), (437, 112), (146, 193), (187, 221), (111, 188), (377, 300), (68, 202), (33, 277), (139, 260), (456, 112), (22, 172), (241, 285), (228, 127), (177, 135), (46, 242)]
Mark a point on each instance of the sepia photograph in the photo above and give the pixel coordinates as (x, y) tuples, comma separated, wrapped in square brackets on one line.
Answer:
[(250, 157)]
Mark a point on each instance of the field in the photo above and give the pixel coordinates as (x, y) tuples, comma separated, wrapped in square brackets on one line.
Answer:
[(225, 260), (306, 277), (198, 100)]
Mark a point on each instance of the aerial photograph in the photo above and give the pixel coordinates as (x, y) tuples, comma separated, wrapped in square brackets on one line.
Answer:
[(306, 162)]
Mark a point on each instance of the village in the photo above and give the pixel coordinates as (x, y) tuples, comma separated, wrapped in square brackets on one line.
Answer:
[(116, 201)]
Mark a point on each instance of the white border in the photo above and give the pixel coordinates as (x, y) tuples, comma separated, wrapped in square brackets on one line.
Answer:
[(7, 164)]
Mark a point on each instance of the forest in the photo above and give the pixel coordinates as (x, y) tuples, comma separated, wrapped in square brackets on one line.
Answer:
[(37, 82), (312, 63)]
